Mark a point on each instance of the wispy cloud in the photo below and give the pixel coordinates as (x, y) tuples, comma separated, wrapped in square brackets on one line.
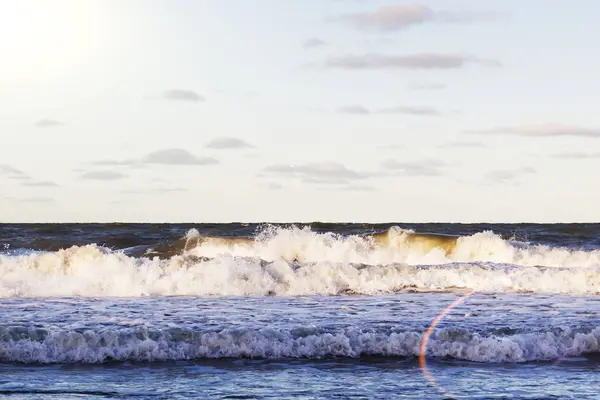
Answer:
[(169, 190), (177, 157), (183, 95), (545, 130), (313, 42), (48, 123), (273, 186), (237, 93), (164, 157), (38, 200), (471, 145), (15, 174), (577, 155), (401, 110), (424, 168), (426, 86), (102, 175), (393, 147), (40, 184), (227, 143), (507, 175), (319, 173), (357, 188), (354, 109), (10, 170), (402, 16), (157, 190), (411, 110), (17, 177), (114, 163), (411, 61)]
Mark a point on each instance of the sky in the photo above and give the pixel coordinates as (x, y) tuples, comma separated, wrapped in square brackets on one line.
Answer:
[(304, 110)]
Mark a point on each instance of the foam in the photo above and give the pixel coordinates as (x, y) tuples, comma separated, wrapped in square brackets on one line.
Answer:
[(93, 271), (35, 345), (395, 246)]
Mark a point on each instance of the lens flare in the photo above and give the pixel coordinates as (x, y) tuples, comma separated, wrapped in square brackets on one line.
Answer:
[(423, 348)]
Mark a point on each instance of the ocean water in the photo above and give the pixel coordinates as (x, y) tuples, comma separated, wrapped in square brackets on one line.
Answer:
[(300, 311)]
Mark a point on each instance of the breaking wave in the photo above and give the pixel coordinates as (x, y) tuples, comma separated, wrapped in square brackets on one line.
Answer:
[(394, 246), (96, 271), (36, 345)]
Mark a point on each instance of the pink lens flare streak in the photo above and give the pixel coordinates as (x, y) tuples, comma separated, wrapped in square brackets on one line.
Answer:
[(425, 340)]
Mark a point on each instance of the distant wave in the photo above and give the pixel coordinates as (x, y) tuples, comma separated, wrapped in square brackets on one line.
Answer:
[(34, 345), (96, 271), (393, 246)]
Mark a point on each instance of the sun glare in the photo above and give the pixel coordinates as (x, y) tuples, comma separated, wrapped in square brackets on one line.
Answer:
[(41, 40)]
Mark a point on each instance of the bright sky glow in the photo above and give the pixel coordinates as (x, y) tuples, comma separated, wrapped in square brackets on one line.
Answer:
[(331, 110)]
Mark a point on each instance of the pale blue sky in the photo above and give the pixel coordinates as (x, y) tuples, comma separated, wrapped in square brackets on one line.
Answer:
[(316, 110)]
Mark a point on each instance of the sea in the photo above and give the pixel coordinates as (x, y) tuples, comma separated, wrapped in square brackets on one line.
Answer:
[(300, 311)]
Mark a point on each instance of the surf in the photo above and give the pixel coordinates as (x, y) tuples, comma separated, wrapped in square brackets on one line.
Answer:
[(395, 245), (92, 271)]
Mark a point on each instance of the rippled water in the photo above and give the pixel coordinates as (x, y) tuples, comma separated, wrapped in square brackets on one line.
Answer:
[(312, 313)]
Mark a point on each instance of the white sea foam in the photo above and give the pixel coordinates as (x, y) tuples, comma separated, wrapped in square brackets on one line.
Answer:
[(307, 246), (31, 345), (95, 271)]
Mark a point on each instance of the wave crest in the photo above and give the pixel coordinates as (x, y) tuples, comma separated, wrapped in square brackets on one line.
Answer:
[(393, 246), (95, 271), (34, 345)]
